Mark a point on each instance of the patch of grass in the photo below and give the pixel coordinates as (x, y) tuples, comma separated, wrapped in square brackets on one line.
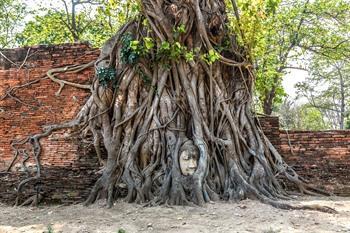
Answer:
[(121, 230), (271, 231), (49, 229)]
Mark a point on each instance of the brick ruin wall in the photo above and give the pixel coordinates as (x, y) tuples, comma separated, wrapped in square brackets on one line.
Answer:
[(322, 157), (69, 168)]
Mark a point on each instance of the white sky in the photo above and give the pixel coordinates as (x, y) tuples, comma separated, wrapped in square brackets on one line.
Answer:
[(294, 76), (33, 4)]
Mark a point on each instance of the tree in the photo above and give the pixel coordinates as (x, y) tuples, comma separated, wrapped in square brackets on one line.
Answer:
[(328, 89), (72, 20), (92, 21), (300, 116), (173, 113), (295, 30), (283, 33), (347, 123), (12, 13), (288, 114), (44, 29), (311, 118)]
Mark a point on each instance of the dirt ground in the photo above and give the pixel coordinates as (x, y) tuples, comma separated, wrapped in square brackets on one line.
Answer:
[(245, 216)]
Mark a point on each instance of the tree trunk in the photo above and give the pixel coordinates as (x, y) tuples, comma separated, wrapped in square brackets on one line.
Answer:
[(196, 110), (176, 119), (342, 99), (268, 101)]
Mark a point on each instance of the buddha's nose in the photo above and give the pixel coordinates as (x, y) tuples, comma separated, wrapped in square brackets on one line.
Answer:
[(192, 164)]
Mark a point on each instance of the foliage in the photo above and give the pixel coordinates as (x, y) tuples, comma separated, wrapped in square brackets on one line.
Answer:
[(311, 119), (210, 57), (347, 125), (148, 43), (106, 75), (94, 23), (283, 32), (328, 89), (45, 29), (280, 33), (179, 30), (271, 231), (252, 26), (300, 116), (274, 32), (49, 229), (12, 13), (108, 17), (130, 49), (173, 51), (259, 29), (133, 49)]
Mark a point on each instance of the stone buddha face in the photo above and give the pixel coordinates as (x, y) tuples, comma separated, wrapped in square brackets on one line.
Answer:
[(188, 159)]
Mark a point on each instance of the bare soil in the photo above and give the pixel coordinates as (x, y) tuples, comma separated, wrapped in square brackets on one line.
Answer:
[(245, 216)]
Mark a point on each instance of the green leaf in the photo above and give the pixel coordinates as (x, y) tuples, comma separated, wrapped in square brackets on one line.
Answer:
[(189, 56), (181, 28), (134, 45), (148, 43), (165, 45), (210, 57)]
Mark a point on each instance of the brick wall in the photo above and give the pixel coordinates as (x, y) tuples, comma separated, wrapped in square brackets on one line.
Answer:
[(322, 157), (66, 166), (42, 106), (270, 125), (70, 169)]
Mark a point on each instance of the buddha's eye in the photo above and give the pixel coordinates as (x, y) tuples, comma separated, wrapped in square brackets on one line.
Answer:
[(194, 156)]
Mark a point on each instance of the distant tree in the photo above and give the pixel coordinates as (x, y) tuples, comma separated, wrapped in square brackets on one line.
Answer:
[(295, 30), (288, 114), (285, 30), (75, 22), (311, 118), (328, 89), (44, 29), (347, 124), (295, 116), (12, 13), (92, 21)]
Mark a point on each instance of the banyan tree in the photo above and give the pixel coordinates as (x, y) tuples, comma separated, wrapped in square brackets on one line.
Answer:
[(171, 107)]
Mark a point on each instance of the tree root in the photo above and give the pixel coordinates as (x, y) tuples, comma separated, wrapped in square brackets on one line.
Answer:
[(34, 140), (69, 69)]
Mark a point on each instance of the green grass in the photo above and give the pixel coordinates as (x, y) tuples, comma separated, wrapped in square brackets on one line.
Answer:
[(271, 231), (49, 228)]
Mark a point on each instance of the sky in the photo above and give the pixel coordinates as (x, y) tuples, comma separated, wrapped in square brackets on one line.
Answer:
[(291, 78)]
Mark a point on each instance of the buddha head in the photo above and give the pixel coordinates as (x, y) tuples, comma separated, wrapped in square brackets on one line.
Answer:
[(188, 158)]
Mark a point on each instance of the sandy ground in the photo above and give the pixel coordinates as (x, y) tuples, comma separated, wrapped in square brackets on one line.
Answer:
[(246, 216)]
